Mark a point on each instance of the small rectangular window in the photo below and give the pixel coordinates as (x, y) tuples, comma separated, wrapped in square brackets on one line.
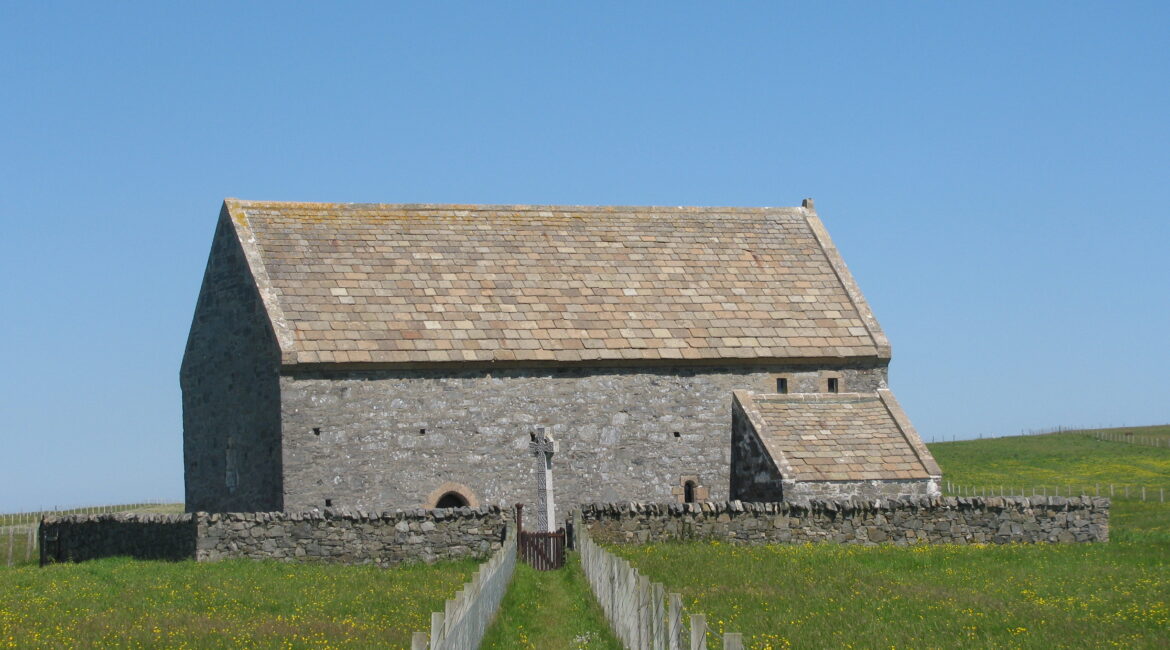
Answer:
[(782, 385), (832, 384)]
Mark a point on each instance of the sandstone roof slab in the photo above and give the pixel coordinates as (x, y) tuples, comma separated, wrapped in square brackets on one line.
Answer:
[(380, 284), (825, 437)]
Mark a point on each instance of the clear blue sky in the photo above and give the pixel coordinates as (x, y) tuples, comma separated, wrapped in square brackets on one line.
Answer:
[(996, 175)]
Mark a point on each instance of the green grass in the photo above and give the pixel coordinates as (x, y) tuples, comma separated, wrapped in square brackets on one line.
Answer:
[(1037, 596), (550, 610), (1075, 458), (233, 604), (15, 555)]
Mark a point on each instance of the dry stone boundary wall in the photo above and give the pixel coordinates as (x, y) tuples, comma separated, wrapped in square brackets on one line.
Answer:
[(422, 535), (384, 539), (942, 520)]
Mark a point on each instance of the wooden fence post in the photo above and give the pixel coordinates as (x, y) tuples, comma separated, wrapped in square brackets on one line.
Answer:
[(674, 622), (436, 630), (698, 632), (657, 594)]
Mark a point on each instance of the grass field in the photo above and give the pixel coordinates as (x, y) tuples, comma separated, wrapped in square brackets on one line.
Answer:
[(929, 596), (1056, 459), (231, 604), (1040, 596), (550, 610), (1076, 459)]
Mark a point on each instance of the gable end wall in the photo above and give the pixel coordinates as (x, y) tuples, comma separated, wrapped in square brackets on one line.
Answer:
[(231, 389)]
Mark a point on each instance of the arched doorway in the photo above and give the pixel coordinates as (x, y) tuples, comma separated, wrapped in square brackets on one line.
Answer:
[(451, 500), (451, 495)]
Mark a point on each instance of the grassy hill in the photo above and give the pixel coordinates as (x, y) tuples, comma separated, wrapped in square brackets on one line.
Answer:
[(1079, 460), (1075, 458)]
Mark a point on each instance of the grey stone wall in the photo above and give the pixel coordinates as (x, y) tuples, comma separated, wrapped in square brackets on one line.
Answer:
[(354, 538), (804, 492), (75, 538), (342, 537), (231, 390), (383, 439), (946, 520)]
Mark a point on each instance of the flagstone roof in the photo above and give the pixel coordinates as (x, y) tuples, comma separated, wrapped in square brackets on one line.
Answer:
[(391, 284), (838, 437)]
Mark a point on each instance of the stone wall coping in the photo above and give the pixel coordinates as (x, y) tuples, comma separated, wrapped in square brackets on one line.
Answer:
[(123, 517), (814, 506), (330, 514)]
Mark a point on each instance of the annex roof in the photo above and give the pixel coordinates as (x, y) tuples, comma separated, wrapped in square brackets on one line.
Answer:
[(838, 437), (422, 284)]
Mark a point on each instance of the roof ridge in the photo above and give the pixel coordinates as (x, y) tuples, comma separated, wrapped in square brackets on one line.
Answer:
[(518, 207)]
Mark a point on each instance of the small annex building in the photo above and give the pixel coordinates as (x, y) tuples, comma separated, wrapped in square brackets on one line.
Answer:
[(372, 357), (826, 445)]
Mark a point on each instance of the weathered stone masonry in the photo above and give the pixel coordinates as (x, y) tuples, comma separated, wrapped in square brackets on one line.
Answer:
[(231, 390), (947, 520), (375, 439), (348, 538), (428, 535)]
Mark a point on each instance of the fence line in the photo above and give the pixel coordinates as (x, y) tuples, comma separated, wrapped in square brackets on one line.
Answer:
[(34, 516), (1152, 494), (465, 619), (1164, 442), (640, 613), (1129, 438)]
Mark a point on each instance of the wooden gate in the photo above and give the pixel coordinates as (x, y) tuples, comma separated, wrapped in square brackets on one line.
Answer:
[(542, 551)]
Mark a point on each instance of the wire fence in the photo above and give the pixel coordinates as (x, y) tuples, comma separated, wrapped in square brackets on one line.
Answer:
[(1101, 432), (1131, 438), (19, 542), (1148, 493)]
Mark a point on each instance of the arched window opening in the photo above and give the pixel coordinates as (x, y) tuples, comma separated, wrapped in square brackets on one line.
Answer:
[(689, 492), (451, 500), (451, 495)]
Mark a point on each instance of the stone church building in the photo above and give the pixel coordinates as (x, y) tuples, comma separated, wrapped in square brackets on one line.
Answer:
[(386, 356)]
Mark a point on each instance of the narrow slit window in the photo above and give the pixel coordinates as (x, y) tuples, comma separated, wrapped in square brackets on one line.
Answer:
[(422, 432), (832, 384), (677, 434), (689, 492), (328, 503), (782, 385), (316, 431)]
